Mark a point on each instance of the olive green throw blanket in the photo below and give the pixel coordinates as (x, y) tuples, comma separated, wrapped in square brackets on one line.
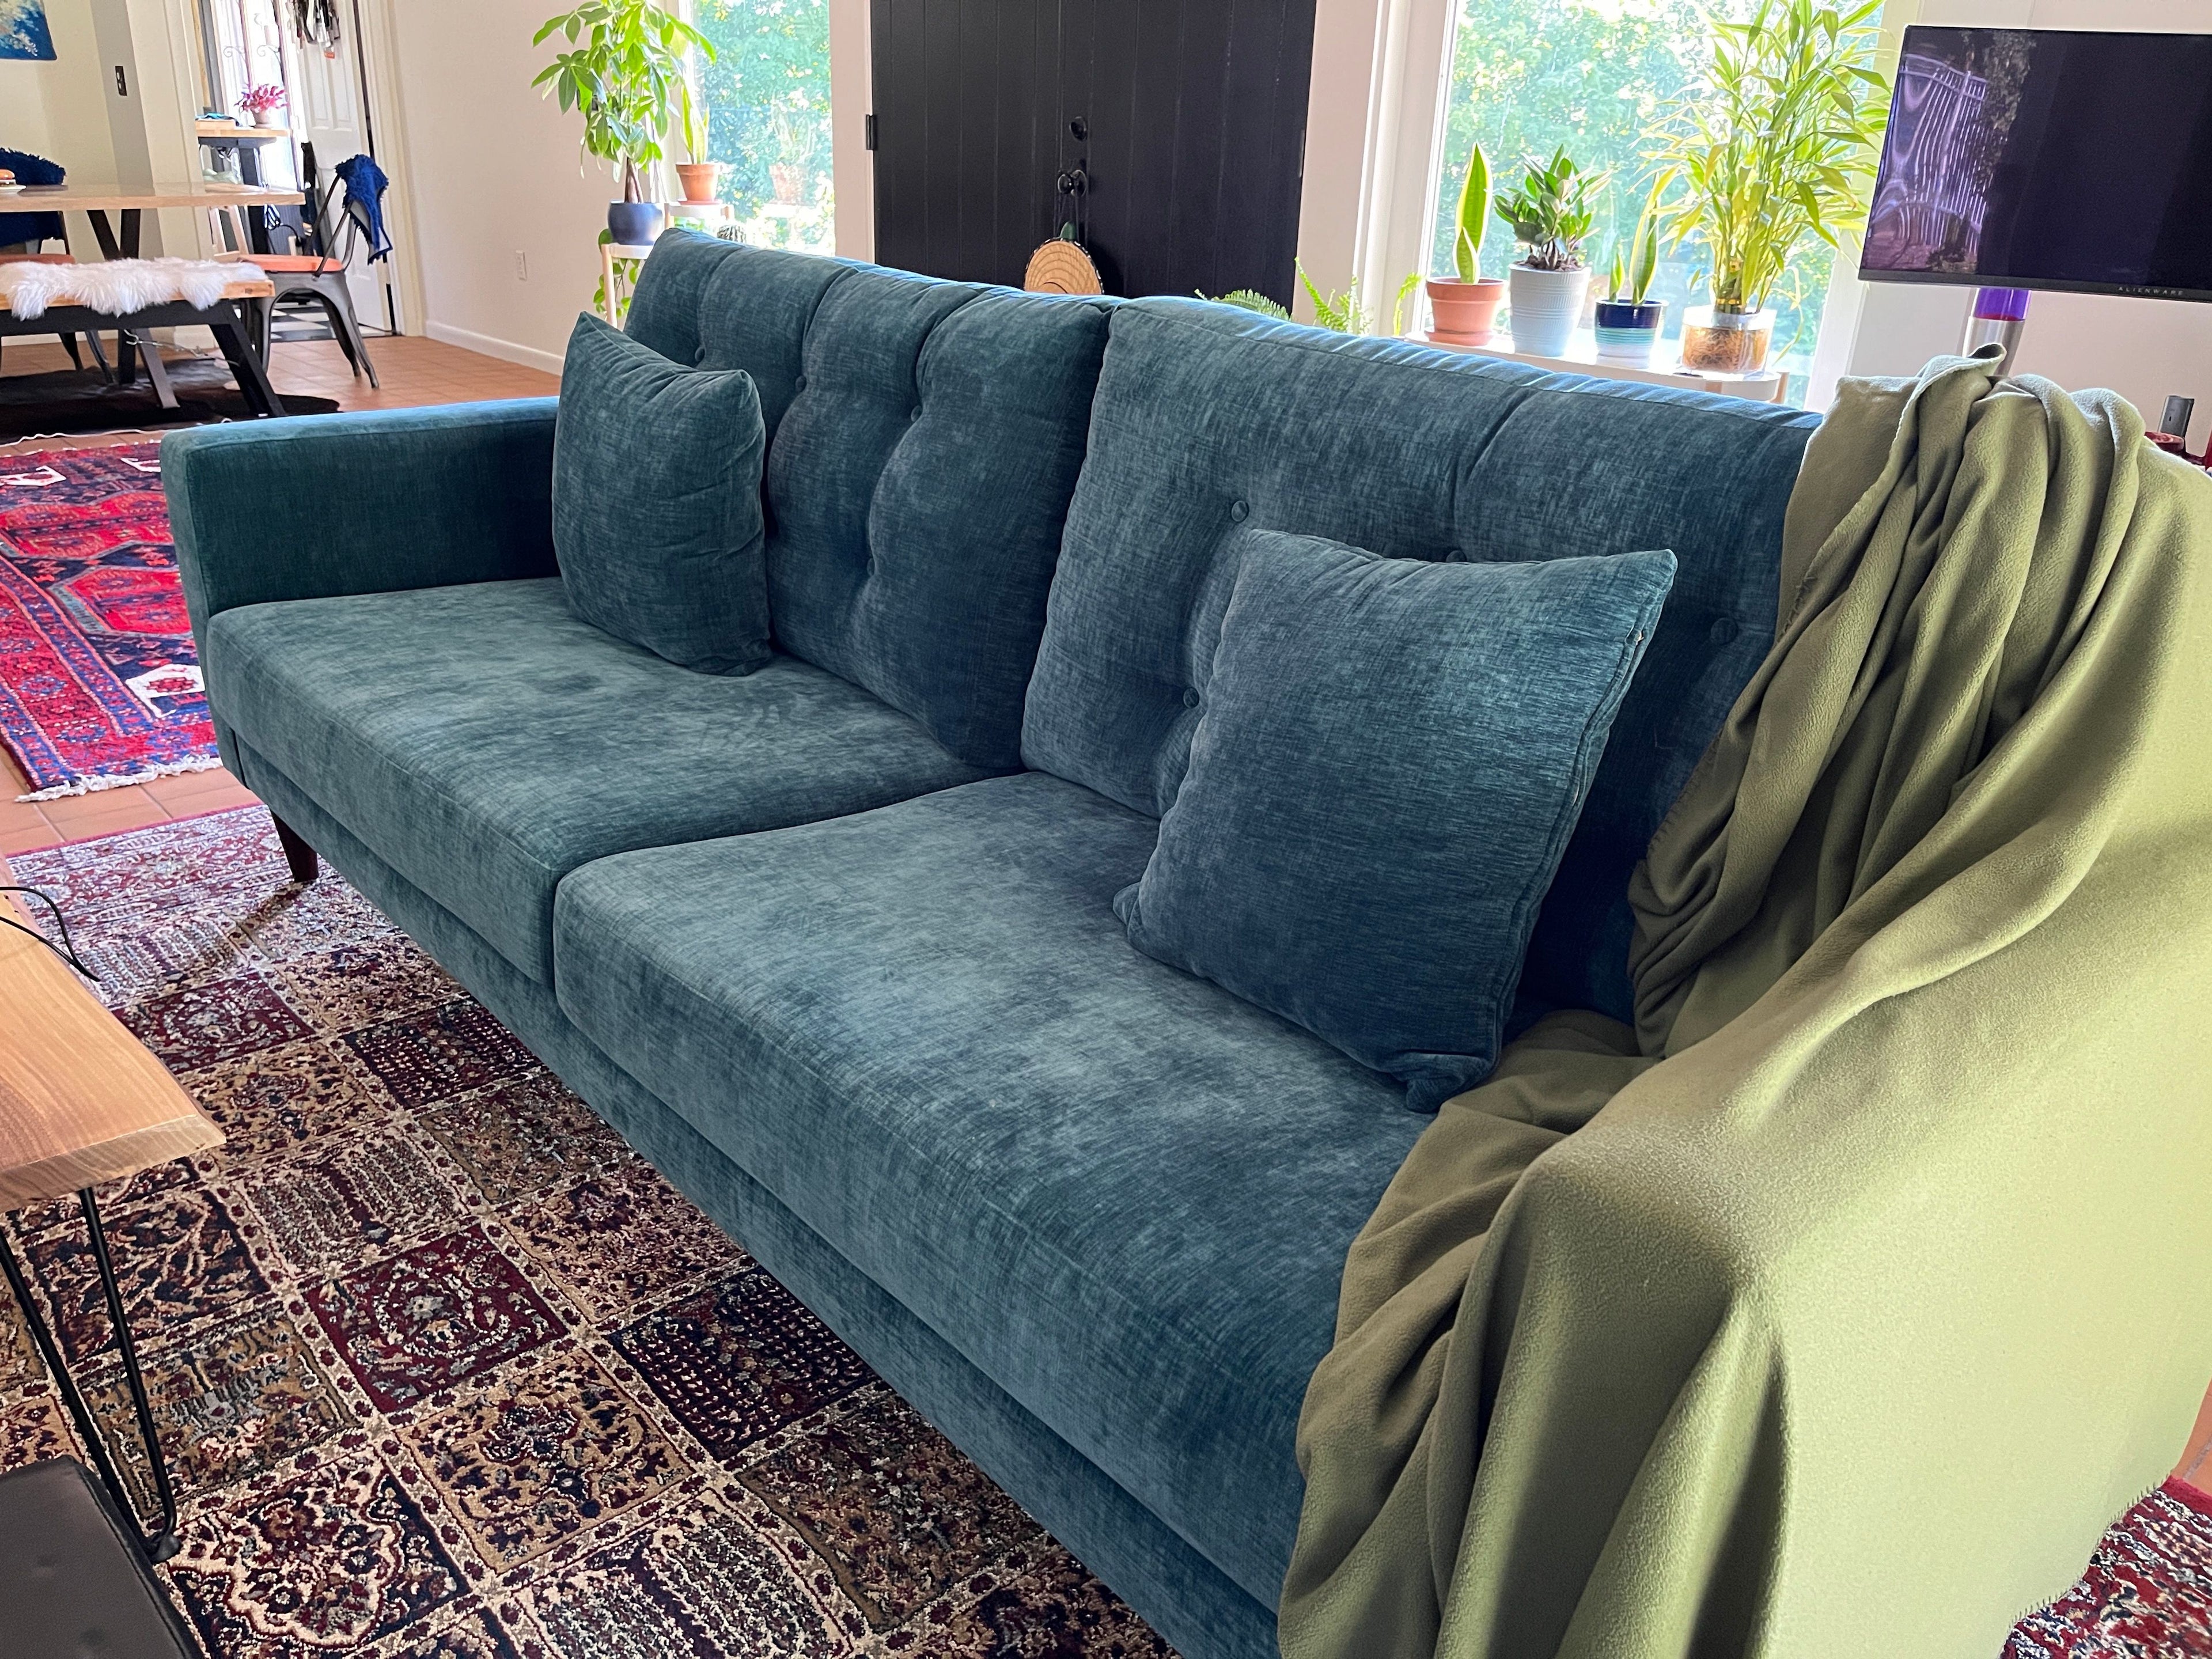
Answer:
[(1839, 1307)]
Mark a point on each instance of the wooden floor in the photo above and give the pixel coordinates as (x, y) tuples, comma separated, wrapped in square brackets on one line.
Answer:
[(415, 372)]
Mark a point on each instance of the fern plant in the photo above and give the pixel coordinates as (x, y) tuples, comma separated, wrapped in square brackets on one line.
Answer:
[(1778, 144), (1340, 314)]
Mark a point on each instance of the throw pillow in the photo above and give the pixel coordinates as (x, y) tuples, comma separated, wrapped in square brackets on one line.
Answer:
[(1389, 759), (657, 501)]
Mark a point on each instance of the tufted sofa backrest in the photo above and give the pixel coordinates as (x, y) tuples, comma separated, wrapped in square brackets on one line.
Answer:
[(924, 440), (1210, 424)]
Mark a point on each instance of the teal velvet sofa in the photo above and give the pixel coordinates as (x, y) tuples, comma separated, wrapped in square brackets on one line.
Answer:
[(832, 944)]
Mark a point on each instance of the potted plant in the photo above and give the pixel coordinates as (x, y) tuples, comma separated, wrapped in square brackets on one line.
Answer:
[(1464, 306), (261, 105), (701, 177), (624, 70), (1629, 320), (1775, 146), (1551, 214)]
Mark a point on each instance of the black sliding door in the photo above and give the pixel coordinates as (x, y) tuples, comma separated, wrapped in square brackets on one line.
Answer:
[(1186, 118)]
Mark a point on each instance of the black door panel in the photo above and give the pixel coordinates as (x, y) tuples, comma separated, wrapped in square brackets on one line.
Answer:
[(1194, 112)]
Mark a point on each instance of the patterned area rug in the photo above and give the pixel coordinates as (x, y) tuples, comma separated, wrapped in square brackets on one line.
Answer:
[(2148, 1594), (446, 1372), (99, 681)]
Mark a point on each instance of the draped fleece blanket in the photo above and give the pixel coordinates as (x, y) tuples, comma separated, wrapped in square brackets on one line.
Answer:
[(1837, 1308)]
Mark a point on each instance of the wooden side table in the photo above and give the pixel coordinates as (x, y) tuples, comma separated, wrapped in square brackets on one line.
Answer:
[(81, 1101)]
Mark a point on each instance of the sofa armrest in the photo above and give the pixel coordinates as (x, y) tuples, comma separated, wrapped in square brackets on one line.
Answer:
[(364, 503)]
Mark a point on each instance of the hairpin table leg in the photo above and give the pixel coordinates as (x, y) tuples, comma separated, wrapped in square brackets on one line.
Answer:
[(158, 1545)]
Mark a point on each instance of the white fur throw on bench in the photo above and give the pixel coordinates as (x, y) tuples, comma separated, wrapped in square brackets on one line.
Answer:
[(118, 287)]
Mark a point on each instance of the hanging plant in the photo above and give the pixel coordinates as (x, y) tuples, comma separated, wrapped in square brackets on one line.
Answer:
[(316, 23)]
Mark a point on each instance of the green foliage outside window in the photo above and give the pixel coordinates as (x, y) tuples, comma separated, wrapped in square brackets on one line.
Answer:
[(768, 91)]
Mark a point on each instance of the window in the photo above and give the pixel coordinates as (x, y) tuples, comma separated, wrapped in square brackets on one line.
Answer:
[(767, 94), (1596, 76)]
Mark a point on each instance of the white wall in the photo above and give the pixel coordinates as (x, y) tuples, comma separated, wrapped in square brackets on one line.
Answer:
[(493, 170), (56, 110), (2142, 349)]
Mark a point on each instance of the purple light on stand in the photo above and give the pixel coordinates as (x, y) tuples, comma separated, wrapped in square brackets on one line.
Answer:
[(2000, 317)]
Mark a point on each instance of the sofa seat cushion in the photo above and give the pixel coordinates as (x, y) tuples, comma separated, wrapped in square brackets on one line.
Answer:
[(1121, 1192), (483, 741)]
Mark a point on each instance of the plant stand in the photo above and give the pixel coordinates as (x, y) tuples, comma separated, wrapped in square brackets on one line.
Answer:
[(619, 262)]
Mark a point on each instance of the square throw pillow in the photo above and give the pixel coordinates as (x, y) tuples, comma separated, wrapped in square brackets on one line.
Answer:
[(657, 501), (1389, 759)]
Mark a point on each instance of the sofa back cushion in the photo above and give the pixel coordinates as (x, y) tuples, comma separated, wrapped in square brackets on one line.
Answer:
[(924, 439), (1210, 424)]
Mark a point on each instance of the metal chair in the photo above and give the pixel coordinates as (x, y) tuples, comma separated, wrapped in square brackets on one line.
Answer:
[(317, 273)]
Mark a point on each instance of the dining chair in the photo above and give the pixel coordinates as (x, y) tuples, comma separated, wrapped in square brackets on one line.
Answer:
[(319, 275)]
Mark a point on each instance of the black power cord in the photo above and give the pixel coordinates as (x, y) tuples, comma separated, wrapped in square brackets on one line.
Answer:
[(65, 950)]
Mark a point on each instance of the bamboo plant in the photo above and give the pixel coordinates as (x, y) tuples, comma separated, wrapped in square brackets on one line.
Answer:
[(1777, 145)]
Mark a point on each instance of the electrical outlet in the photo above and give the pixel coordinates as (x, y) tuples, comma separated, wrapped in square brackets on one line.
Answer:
[(521, 267)]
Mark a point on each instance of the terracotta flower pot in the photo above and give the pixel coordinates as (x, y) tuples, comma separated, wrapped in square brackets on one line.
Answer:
[(1464, 313), (701, 180)]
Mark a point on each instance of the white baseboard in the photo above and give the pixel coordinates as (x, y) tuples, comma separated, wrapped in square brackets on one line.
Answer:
[(469, 339)]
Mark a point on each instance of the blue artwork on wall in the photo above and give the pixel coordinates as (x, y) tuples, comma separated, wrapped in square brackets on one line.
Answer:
[(23, 32)]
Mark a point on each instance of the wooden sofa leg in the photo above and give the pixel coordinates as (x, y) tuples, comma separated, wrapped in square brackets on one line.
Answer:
[(297, 853)]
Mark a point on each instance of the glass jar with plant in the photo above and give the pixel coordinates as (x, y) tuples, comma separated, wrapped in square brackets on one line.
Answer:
[(624, 70), (1774, 147), (1629, 319), (1464, 305), (1551, 210)]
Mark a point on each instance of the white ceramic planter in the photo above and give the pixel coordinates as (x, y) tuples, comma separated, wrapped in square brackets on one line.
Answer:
[(1547, 306)]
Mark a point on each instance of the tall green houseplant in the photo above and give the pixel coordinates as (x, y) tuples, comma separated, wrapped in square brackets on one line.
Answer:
[(623, 68), (1777, 145)]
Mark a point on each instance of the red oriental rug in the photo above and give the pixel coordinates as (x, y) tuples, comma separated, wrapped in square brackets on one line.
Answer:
[(100, 684)]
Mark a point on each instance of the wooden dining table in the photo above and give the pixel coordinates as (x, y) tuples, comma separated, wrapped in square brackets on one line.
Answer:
[(119, 240)]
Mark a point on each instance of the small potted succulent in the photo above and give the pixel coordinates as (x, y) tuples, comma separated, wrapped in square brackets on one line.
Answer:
[(261, 104), (700, 178), (1629, 320), (624, 72), (1551, 214), (1464, 306)]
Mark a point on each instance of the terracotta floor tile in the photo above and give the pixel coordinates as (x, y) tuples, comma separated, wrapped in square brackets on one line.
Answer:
[(189, 786), (29, 840), (79, 815)]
